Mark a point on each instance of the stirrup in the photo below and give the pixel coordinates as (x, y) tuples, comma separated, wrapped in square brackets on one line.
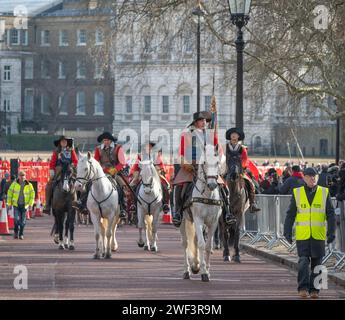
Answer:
[(177, 219), (123, 214), (253, 208), (230, 219), (166, 208)]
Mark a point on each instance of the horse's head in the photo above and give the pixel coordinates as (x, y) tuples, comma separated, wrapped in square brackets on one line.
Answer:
[(234, 169), (68, 179), (209, 169), (147, 173), (85, 171)]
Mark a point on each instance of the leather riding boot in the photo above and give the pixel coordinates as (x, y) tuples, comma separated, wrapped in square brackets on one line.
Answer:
[(166, 197), (251, 195), (123, 213), (49, 193), (177, 218), (229, 216)]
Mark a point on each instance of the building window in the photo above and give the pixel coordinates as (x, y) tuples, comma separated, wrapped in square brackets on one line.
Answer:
[(323, 147), (62, 70), (28, 104), (29, 68), (7, 103), (15, 37), (98, 71), (45, 66), (99, 103), (99, 36), (82, 38), (207, 100), (45, 104), (81, 70), (147, 104), (25, 38), (63, 104), (80, 103), (63, 38), (129, 104), (186, 104), (45, 37), (7, 73), (165, 104)]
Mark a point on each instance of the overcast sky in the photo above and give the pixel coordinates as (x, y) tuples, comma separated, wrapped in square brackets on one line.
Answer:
[(8, 5)]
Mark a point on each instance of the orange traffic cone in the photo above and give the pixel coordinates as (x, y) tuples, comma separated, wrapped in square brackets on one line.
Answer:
[(4, 231), (38, 209), (167, 218), (28, 214), (10, 217)]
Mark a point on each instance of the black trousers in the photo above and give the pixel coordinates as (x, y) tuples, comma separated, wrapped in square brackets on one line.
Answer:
[(306, 276)]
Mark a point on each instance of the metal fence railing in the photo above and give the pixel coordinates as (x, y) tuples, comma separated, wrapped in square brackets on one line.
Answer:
[(267, 227)]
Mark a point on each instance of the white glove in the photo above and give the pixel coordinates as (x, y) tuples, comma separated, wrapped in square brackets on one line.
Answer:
[(52, 173)]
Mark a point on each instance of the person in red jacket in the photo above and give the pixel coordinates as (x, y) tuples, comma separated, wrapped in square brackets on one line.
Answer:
[(159, 165), (236, 149), (63, 155)]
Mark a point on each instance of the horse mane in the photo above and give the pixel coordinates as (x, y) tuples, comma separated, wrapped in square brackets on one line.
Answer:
[(155, 173)]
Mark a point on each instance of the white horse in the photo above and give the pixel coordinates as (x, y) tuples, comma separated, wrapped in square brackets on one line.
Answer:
[(149, 205), (204, 210), (102, 203)]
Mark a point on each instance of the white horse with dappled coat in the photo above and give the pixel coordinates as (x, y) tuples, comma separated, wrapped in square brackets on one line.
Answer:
[(149, 204), (205, 210), (102, 203)]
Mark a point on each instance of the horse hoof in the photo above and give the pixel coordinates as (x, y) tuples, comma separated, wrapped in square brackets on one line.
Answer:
[(227, 259), (186, 276), (140, 244), (217, 246), (195, 270), (205, 278), (107, 256), (56, 239), (154, 249), (146, 248), (66, 246), (114, 249), (61, 247), (96, 256), (236, 259), (71, 247)]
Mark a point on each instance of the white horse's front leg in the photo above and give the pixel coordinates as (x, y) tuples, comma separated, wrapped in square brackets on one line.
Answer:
[(141, 224), (186, 266), (201, 245), (102, 229), (147, 232), (108, 235), (96, 224), (154, 230), (114, 245)]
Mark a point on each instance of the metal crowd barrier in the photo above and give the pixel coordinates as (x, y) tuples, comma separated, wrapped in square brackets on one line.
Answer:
[(268, 226)]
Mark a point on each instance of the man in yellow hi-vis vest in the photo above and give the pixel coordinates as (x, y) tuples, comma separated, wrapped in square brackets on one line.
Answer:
[(310, 208), (21, 196)]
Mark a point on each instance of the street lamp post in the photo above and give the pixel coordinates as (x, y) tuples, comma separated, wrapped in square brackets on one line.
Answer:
[(337, 137), (199, 13), (239, 11)]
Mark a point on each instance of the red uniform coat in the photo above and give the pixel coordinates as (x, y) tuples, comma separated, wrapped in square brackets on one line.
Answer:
[(54, 158), (120, 156)]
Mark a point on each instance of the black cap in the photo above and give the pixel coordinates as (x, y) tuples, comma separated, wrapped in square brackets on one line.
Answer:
[(69, 141), (106, 135), (310, 172), (232, 130)]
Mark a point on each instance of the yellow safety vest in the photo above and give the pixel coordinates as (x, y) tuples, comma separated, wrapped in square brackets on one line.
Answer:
[(13, 194), (311, 219)]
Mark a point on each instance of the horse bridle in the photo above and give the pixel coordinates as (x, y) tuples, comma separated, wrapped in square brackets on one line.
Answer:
[(206, 177), (88, 175)]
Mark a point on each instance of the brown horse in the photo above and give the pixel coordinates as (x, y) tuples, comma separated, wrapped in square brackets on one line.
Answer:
[(239, 203), (63, 195)]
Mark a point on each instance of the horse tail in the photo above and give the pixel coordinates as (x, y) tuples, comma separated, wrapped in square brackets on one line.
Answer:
[(149, 222)]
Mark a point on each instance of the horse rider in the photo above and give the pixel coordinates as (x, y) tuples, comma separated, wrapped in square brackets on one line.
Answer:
[(236, 151), (159, 165), (63, 156), (112, 159), (188, 153)]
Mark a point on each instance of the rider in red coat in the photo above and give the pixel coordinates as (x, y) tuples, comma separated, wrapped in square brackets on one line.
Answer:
[(63, 155), (235, 149), (159, 165)]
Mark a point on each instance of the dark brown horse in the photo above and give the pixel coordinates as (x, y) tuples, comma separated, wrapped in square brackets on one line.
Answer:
[(63, 195), (239, 203)]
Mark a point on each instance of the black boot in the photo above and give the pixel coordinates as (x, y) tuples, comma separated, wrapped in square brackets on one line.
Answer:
[(229, 217), (123, 212), (177, 217)]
